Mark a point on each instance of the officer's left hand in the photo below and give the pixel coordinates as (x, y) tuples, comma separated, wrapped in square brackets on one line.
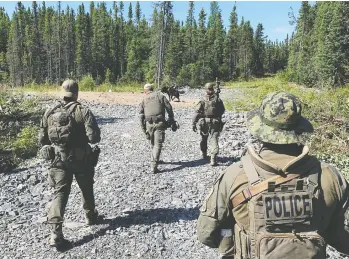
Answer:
[(194, 128), (147, 135)]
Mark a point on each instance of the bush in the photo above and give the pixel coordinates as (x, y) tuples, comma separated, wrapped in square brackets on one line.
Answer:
[(26, 144), (87, 83), (327, 109)]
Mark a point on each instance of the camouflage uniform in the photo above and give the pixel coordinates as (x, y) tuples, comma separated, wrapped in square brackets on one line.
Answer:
[(278, 220), (209, 124), (61, 172), (152, 119)]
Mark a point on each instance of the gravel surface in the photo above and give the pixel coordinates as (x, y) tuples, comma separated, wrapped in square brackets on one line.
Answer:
[(146, 215)]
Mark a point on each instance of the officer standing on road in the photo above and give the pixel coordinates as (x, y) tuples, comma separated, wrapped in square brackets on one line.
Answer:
[(278, 202), (208, 115), (66, 131), (153, 122)]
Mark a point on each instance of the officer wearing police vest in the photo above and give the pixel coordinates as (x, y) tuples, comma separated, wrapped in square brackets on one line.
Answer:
[(208, 115), (153, 121), (279, 201)]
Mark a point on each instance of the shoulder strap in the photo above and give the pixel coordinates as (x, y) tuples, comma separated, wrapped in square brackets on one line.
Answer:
[(251, 172), (50, 112), (249, 192)]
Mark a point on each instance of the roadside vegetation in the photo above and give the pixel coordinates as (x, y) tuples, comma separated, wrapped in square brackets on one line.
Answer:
[(327, 109), (19, 120)]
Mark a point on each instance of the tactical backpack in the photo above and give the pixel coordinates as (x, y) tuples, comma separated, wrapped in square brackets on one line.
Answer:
[(280, 216), (210, 107), (61, 124)]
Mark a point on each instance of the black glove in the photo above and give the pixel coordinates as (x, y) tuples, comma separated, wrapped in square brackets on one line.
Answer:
[(147, 135), (194, 128)]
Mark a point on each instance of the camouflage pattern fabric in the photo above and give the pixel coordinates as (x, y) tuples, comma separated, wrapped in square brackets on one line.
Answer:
[(152, 111), (279, 120), (61, 173), (330, 209), (209, 127)]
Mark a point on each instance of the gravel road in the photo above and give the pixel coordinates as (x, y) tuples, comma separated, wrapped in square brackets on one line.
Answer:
[(146, 215)]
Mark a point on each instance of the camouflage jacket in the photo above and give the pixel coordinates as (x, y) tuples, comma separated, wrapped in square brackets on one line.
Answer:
[(330, 218), (87, 130), (154, 104), (200, 108)]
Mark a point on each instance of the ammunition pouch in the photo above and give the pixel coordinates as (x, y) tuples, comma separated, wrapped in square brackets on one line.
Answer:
[(154, 119), (47, 152), (94, 156)]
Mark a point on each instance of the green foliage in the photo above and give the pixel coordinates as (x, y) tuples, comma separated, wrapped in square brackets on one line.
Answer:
[(87, 83), (26, 144), (47, 45), (327, 109)]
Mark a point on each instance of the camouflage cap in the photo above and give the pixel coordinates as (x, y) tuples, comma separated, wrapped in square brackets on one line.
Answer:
[(148, 86), (278, 120), (209, 86), (70, 87)]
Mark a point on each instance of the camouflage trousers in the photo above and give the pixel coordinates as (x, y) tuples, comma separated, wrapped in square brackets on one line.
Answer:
[(61, 178), (209, 131), (157, 138)]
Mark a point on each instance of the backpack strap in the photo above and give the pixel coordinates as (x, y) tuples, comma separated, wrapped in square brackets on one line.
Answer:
[(250, 169), (50, 112), (249, 192)]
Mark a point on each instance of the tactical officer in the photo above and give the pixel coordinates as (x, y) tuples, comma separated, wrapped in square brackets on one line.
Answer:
[(153, 121), (66, 131), (208, 115), (279, 201)]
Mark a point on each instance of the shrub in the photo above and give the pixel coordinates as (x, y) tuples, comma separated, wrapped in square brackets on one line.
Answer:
[(26, 144), (87, 83)]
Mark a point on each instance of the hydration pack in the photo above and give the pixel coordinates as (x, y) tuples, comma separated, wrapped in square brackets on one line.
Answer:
[(61, 124)]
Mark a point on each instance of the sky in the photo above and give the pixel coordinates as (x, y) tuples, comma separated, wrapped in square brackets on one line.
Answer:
[(272, 14)]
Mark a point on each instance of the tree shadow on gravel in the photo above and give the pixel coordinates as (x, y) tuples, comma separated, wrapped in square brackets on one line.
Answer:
[(142, 217), (184, 164), (107, 120)]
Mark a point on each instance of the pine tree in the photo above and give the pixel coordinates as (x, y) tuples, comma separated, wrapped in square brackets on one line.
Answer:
[(258, 53)]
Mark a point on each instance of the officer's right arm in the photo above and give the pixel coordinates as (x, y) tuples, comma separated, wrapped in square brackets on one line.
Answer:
[(216, 211), (337, 234)]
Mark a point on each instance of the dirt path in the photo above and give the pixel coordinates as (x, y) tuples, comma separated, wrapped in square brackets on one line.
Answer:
[(128, 98)]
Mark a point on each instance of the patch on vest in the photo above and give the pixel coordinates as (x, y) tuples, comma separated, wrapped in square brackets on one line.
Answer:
[(290, 207)]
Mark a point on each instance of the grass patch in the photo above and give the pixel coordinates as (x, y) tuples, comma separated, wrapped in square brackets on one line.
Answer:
[(19, 119), (327, 109)]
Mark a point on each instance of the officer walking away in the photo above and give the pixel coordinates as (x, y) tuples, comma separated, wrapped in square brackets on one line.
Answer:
[(66, 131), (279, 201), (153, 121), (208, 115)]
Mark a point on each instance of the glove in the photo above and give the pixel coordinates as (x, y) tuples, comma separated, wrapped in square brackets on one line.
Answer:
[(194, 128), (147, 135)]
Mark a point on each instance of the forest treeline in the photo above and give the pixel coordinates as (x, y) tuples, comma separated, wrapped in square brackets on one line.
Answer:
[(48, 44)]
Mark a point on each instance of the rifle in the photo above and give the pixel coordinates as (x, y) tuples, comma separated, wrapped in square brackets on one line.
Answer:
[(218, 83)]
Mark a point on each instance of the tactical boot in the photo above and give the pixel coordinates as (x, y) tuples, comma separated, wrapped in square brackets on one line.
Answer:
[(213, 160), (154, 168), (91, 218), (57, 239), (204, 155)]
